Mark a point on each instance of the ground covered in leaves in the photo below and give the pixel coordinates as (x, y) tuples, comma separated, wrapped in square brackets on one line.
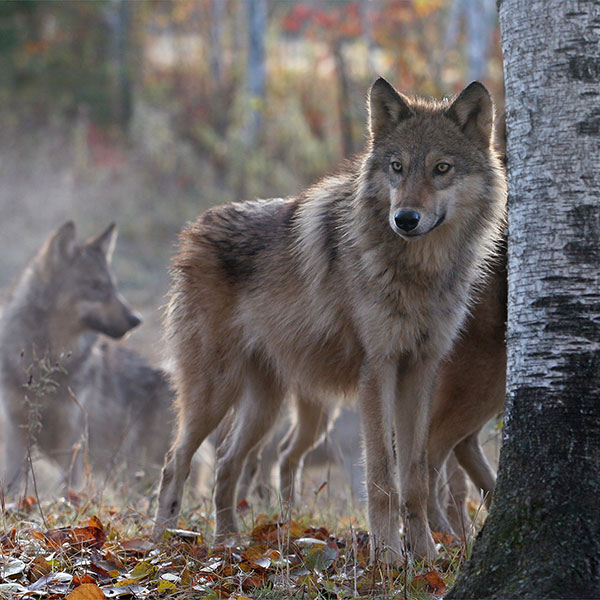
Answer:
[(82, 549)]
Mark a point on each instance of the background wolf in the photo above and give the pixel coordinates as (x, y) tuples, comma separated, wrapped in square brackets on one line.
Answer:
[(52, 339), (357, 285)]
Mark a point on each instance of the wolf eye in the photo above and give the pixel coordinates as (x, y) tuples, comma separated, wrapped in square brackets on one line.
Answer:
[(396, 166), (442, 168)]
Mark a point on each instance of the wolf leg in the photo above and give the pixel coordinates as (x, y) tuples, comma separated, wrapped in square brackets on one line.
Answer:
[(310, 424), (376, 396), (471, 458), (255, 415), (201, 408), (439, 449), (456, 498), (411, 424)]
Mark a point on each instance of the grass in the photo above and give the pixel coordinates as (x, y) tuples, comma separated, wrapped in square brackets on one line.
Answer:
[(94, 546)]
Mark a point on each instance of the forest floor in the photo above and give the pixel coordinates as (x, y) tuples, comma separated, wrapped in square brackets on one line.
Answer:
[(84, 546)]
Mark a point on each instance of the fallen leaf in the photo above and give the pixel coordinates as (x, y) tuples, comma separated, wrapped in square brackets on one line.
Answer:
[(11, 567), (164, 585), (86, 591), (137, 546), (442, 538), (7, 540), (320, 556), (38, 567), (53, 583), (433, 580), (27, 503), (81, 579), (9, 590), (275, 532)]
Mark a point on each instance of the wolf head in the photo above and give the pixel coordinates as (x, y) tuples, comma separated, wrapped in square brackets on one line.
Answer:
[(81, 284), (429, 158)]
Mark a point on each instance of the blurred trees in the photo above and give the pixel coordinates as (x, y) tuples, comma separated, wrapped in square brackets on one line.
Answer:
[(148, 112), (206, 63), (56, 56)]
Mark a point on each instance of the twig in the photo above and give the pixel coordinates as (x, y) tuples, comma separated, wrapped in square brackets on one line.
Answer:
[(35, 490)]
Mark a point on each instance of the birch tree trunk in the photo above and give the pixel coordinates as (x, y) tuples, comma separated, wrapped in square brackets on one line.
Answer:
[(542, 536)]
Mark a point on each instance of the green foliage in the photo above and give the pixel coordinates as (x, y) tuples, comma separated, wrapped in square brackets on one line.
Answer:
[(54, 56)]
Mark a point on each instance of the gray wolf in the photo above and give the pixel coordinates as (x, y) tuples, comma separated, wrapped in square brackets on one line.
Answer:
[(358, 285), (56, 344), (469, 391)]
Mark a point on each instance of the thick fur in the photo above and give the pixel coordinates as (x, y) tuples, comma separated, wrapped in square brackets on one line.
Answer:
[(469, 391), (57, 314), (323, 295)]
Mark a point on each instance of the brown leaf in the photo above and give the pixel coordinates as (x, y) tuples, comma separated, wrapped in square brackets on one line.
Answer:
[(39, 567), (320, 533), (81, 579), (442, 538), (434, 581), (274, 532), (27, 503), (77, 537), (7, 540), (86, 591), (137, 546)]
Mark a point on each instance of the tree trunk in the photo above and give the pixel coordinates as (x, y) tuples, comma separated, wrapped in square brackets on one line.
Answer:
[(344, 105), (257, 29), (119, 20), (216, 43), (542, 537)]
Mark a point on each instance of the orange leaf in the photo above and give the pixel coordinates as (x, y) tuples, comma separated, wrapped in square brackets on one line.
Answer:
[(442, 538), (27, 503), (271, 533), (82, 579), (434, 581), (95, 522), (87, 591)]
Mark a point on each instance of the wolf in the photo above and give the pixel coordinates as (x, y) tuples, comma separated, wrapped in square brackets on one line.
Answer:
[(61, 373), (469, 391), (357, 286)]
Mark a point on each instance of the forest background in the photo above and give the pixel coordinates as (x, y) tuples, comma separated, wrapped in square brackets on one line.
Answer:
[(147, 113)]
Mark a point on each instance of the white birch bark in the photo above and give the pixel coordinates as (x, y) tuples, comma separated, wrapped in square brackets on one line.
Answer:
[(542, 537)]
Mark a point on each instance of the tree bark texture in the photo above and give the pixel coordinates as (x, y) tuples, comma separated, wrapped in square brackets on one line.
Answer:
[(542, 536)]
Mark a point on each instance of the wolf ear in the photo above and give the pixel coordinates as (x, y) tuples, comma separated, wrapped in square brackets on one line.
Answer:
[(105, 241), (473, 112), (386, 108), (61, 246)]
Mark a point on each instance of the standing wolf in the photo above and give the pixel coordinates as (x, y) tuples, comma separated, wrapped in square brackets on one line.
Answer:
[(357, 285), (51, 343)]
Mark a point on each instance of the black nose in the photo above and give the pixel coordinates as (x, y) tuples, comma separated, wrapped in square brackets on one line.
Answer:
[(134, 321), (407, 220)]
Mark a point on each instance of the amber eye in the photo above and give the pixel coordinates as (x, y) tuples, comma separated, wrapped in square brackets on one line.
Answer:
[(442, 168), (396, 166)]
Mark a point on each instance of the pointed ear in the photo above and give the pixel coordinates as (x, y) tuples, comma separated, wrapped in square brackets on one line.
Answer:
[(473, 112), (105, 241), (386, 108), (61, 246)]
